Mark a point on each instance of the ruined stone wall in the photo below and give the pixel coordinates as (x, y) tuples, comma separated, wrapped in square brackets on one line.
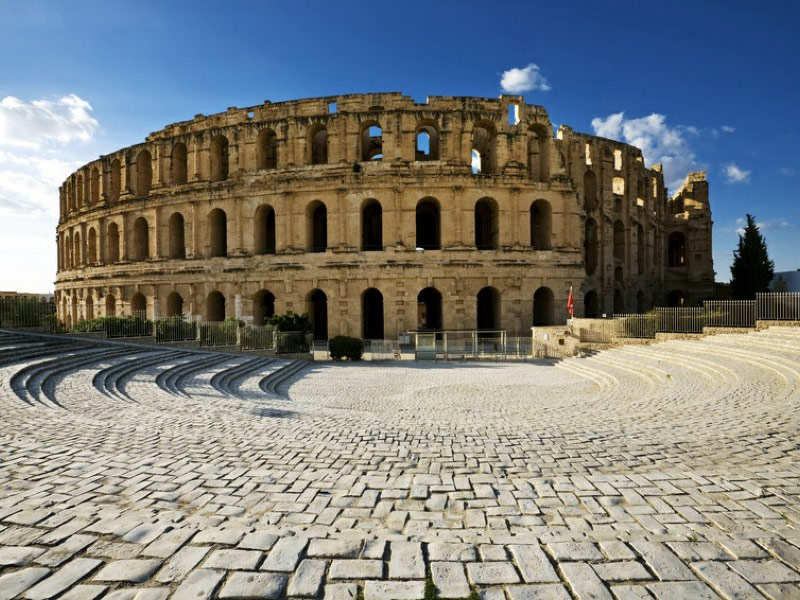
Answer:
[(234, 204)]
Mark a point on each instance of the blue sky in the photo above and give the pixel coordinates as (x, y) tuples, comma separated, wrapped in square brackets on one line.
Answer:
[(707, 84)]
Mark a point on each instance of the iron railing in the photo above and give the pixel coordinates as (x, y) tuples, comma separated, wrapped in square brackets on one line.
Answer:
[(18, 313), (729, 313), (175, 329), (681, 319), (636, 325), (778, 306)]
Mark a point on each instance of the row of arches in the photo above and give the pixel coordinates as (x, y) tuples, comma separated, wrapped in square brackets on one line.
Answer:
[(427, 221), (591, 246), (78, 193)]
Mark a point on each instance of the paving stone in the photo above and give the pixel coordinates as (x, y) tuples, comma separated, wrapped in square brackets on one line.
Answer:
[(258, 540), (533, 564), (767, 571), (356, 569), (61, 553), (160, 593), (334, 548), (199, 585), (62, 579), (285, 554), (254, 585), (186, 559), (538, 591), (663, 563), (406, 561), (16, 582), (308, 577), (622, 571), (575, 551), (85, 592), (682, 590), (18, 556), (630, 592), (230, 560), (340, 591), (492, 573), (449, 551), (133, 571), (724, 580), (780, 591), (449, 579), (584, 581), (394, 590)]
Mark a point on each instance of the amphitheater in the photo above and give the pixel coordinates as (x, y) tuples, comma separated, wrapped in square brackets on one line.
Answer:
[(668, 471), (379, 215)]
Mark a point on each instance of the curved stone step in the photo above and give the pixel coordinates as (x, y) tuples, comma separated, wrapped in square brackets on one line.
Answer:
[(270, 382)]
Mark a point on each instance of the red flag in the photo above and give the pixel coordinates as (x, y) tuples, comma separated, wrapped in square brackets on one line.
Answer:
[(570, 304)]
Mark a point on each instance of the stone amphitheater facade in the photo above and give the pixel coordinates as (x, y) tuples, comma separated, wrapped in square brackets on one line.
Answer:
[(378, 215)]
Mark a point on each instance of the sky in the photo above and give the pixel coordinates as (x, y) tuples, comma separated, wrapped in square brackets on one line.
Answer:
[(708, 85)]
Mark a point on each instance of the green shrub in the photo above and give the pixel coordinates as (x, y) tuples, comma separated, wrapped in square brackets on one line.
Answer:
[(291, 321), (343, 346)]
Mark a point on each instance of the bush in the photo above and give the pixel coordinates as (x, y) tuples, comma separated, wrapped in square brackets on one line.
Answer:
[(291, 321), (343, 346)]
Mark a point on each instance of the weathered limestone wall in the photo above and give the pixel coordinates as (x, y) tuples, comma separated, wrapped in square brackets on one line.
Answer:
[(533, 203)]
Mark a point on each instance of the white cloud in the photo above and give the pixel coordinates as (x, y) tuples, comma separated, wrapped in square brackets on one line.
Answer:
[(727, 129), (788, 171), (776, 224), (659, 142), (516, 81), (734, 174), (30, 124)]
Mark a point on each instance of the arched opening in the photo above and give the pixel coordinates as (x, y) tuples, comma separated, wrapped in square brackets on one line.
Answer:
[(79, 189), (543, 307), (371, 142), (538, 153), (112, 243), (640, 244), (541, 225), (267, 149), (318, 311), (487, 228), (265, 230), (144, 173), (429, 310), (111, 305), (676, 249), (116, 180), (174, 305), (488, 316), (263, 307), (590, 190), (618, 275), (619, 303), (89, 308), (178, 164), (177, 242), (371, 225), (372, 314), (215, 306), (217, 233), (591, 305), (91, 246), (676, 298), (619, 241), (428, 224), (77, 245), (483, 150), (590, 246), (318, 145), (426, 139), (317, 226), (141, 239), (94, 186), (219, 158), (138, 305), (640, 307)]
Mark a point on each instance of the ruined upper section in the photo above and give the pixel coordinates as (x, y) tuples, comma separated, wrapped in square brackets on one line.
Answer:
[(382, 134)]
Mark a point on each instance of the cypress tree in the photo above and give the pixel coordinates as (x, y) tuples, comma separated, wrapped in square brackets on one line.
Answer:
[(752, 270)]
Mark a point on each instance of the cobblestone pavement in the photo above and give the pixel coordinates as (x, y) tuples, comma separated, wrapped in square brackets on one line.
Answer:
[(666, 471)]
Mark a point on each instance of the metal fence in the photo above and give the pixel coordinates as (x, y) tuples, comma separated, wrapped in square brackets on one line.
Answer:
[(135, 325), (175, 329), (636, 325), (28, 313), (778, 306), (729, 313), (682, 319), (382, 349), (462, 345)]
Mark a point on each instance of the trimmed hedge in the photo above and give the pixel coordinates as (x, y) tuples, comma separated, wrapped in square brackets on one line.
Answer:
[(343, 346)]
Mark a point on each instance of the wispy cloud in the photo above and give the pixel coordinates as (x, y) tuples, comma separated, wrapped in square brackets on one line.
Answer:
[(775, 224), (30, 124), (659, 142), (788, 171), (516, 81), (735, 174)]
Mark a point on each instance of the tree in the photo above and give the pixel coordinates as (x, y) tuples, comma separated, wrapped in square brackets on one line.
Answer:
[(752, 270)]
